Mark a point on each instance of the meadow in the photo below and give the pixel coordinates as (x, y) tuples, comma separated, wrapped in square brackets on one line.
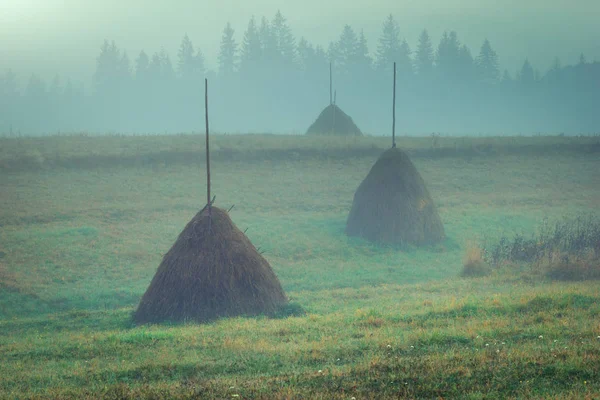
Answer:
[(85, 221)]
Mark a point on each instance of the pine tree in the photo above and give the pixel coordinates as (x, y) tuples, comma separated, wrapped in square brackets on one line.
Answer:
[(553, 74), (362, 59), (227, 52), (346, 50), (8, 85), (389, 44), (142, 64), (305, 53), (166, 66), (390, 49), (268, 43), (448, 56), (200, 63), (466, 64), (124, 70), (186, 59), (424, 54), (487, 64), (312, 59), (527, 75), (108, 64), (285, 42), (251, 48), (404, 63), (155, 68)]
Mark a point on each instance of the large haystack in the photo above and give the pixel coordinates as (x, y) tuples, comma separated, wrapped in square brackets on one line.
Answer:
[(211, 271), (333, 121), (393, 206)]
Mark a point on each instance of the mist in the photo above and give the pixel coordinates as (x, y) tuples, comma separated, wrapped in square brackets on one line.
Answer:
[(79, 70)]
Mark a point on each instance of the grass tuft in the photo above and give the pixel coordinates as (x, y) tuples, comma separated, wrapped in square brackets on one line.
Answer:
[(473, 262)]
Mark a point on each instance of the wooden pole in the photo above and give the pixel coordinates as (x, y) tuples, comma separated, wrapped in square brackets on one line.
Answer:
[(334, 111), (330, 84), (394, 111), (207, 148)]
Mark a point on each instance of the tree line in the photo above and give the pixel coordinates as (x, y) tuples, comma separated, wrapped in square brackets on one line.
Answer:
[(268, 80)]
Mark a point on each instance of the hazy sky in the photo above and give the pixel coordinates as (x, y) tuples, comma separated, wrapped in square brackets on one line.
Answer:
[(64, 36)]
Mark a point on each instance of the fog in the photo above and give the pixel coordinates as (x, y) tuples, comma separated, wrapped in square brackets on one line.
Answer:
[(59, 76)]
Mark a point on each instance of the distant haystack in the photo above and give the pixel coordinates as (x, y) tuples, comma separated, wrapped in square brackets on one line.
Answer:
[(393, 206), (333, 121), (211, 271)]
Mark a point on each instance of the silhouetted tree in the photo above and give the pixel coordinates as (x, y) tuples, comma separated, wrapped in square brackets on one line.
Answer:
[(390, 49), (227, 52), (424, 55), (346, 50), (487, 64), (268, 41), (361, 59), (284, 39), (108, 68), (186, 60), (251, 53), (448, 56), (142, 64), (526, 75), (466, 64)]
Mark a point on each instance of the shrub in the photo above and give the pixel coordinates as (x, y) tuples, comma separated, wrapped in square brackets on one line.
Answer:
[(570, 267), (567, 250), (473, 262)]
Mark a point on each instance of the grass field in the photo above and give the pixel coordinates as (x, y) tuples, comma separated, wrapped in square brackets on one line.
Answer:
[(80, 242)]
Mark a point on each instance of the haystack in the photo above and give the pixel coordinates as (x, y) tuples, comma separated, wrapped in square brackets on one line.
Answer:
[(211, 271), (393, 206), (333, 121)]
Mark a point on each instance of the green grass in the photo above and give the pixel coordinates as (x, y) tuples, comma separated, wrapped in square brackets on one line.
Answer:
[(78, 247)]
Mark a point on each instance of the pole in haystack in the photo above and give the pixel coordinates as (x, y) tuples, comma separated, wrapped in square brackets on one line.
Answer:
[(211, 271), (330, 84), (394, 111), (207, 148), (334, 111)]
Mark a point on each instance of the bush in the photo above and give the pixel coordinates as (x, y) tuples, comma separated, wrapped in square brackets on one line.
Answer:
[(473, 263), (570, 267), (567, 250)]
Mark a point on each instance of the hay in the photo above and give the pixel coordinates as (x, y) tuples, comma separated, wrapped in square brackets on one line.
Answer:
[(393, 206), (211, 271), (333, 121)]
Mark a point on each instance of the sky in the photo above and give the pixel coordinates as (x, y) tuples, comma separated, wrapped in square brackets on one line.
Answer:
[(64, 36)]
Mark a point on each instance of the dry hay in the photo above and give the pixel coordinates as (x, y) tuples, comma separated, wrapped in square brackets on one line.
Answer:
[(333, 121), (212, 271), (393, 206)]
